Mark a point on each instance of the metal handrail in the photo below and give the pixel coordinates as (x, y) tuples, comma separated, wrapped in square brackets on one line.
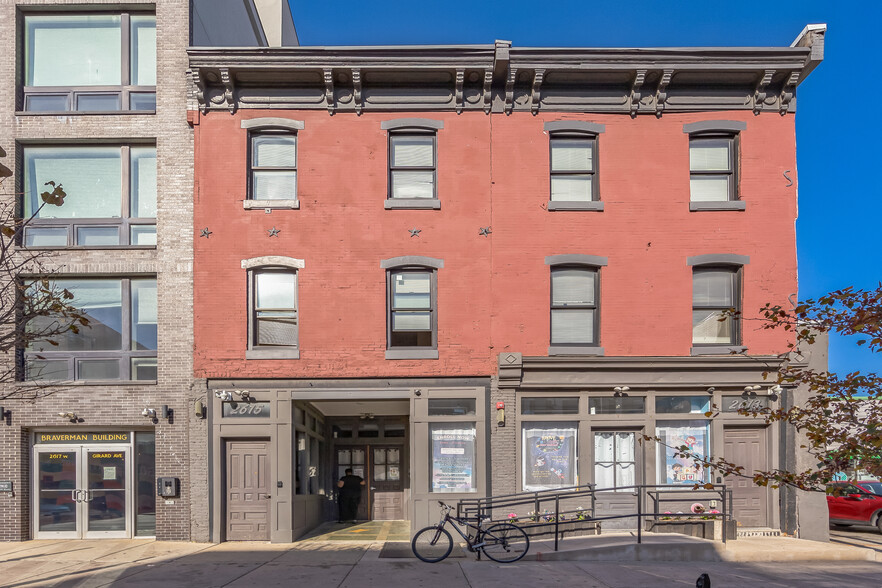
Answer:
[(473, 508)]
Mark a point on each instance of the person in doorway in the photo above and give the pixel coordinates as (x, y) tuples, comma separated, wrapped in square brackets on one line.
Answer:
[(349, 496)]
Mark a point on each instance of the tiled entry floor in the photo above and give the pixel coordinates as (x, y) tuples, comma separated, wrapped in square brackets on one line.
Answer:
[(369, 531)]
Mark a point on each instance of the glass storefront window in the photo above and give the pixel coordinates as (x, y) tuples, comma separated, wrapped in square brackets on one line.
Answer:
[(451, 406), (682, 404), (302, 463), (695, 437), (145, 492), (549, 455), (453, 457), (616, 405), (541, 405), (368, 430)]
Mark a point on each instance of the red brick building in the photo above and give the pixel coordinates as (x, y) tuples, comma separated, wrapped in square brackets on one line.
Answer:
[(418, 262)]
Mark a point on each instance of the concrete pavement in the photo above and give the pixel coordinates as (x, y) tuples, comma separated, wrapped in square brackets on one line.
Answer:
[(350, 564)]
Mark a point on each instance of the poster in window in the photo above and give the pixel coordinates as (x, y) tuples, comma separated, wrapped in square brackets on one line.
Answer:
[(673, 469), (453, 460), (549, 458)]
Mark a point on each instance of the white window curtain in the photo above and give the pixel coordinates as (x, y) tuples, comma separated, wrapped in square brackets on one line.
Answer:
[(571, 188), (572, 155), (709, 155)]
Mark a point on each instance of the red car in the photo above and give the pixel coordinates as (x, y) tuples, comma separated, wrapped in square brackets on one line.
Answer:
[(849, 504)]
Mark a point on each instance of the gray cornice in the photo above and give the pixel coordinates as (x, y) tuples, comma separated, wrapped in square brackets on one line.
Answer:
[(501, 78), (640, 373)]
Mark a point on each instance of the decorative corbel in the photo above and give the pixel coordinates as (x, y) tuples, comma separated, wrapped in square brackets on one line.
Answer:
[(329, 89), (661, 94), (509, 89), (759, 95), (229, 90), (637, 91), (488, 82), (787, 92), (356, 89), (200, 90), (537, 85), (460, 79)]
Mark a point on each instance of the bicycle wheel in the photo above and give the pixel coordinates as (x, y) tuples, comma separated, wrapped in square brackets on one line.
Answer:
[(432, 544), (505, 543)]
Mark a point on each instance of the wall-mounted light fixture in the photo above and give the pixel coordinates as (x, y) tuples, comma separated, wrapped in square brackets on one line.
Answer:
[(711, 390), (224, 395), (243, 394), (750, 391), (199, 409), (71, 416), (166, 412), (150, 413), (774, 392), (620, 391)]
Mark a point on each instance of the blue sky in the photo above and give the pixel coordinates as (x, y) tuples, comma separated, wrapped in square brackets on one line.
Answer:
[(839, 231)]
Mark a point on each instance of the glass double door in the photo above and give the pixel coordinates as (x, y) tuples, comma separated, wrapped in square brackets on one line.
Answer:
[(82, 492)]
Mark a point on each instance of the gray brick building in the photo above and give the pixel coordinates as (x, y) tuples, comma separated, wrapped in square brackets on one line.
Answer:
[(95, 96)]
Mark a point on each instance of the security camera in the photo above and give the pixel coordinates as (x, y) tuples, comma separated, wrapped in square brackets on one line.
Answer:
[(150, 413)]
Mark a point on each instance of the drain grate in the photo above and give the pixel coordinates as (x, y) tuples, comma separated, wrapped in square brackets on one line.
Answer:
[(759, 533)]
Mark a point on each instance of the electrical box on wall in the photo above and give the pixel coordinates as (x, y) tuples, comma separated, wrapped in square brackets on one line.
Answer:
[(168, 487)]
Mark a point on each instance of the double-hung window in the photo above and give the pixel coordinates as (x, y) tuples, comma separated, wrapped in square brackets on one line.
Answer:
[(111, 196), (90, 62), (575, 304), (412, 166), (119, 342), (573, 168), (715, 290), (573, 165), (273, 166), (273, 307), (412, 309), (712, 168), (274, 317), (272, 162), (412, 318), (713, 165), (413, 163)]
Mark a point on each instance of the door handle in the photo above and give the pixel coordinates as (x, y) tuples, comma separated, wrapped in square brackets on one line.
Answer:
[(263, 496), (75, 495), (88, 495)]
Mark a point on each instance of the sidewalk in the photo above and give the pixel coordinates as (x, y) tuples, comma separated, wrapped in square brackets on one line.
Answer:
[(357, 564), (672, 547)]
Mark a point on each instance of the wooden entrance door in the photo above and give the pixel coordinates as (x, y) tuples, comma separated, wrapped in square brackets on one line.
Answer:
[(355, 458), (247, 490), (747, 447), (385, 482)]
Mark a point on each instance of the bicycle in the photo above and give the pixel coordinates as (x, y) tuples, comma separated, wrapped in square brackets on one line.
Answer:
[(502, 542)]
